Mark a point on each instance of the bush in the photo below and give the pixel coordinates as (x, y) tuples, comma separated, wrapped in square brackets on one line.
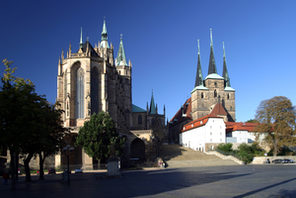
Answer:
[(245, 153), (225, 148)]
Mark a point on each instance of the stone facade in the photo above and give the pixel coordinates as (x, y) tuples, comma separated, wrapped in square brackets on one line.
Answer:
[(93, 80)]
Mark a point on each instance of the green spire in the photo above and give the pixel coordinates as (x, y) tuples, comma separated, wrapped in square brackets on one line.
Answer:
[(225, 72), (212, 65), (198, 78), (81, 42), (104, 36), (152, 105), (121, 60)]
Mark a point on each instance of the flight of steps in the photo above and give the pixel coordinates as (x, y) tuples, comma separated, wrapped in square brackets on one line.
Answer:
[(177, 156)]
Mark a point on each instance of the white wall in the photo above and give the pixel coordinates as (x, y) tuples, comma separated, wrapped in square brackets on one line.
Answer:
[(212, 132)]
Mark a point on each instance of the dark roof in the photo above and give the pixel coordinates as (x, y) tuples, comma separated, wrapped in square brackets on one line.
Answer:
[(212, 64), (92, 51), (198, 78)]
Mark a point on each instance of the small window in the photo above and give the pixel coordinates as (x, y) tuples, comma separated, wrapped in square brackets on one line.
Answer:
[(228, 97), (139, 119), (216, 84), (202, 95), (119, 72), (230, 108)]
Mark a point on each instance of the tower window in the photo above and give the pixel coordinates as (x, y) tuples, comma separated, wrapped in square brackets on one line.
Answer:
[(228, 97), (119, 73), (202, 95), (215, 94), (230, 108), (216, 84)]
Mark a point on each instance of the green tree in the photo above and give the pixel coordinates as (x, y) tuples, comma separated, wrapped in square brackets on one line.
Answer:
[(277, 118), (99, 137), (29, 125), (52, 134)]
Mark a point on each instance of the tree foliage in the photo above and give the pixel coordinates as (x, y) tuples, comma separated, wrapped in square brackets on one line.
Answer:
[(277, 118), (29, 125), (99, 137)]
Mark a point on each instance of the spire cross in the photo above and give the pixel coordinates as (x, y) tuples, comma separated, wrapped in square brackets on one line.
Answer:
[(198, 46), (211, 36)]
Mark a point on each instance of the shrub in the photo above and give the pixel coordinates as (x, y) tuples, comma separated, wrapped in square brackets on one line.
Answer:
[(225, 148), (245, 153)]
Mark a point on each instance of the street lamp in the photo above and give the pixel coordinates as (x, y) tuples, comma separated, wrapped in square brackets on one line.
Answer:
[(68, 148)]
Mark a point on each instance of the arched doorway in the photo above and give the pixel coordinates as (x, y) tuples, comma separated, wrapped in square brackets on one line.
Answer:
[(137, 151)]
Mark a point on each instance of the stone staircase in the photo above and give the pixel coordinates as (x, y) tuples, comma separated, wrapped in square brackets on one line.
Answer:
[(177, 156)]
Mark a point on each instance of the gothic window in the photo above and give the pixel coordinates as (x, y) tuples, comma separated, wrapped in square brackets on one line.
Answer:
[(202, 95), (228, 97), (79, 93), (94, 90), (139, 119), (65, 84), (215, 94)]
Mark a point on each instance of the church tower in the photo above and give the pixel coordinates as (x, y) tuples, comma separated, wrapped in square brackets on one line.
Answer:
[(212, 89), (89, 81)]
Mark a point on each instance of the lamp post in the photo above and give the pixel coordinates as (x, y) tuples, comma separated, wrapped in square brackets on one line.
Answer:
[(68, 148)]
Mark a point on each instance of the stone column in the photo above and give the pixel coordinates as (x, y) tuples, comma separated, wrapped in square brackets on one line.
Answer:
[(57, 160), (87, 162)]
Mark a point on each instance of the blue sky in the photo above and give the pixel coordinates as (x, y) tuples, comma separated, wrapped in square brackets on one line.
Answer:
[(160, 38)]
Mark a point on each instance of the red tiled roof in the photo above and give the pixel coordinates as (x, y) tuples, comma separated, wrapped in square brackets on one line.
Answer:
[(197, 123), (241, 126), (218, 110), (186, 110)]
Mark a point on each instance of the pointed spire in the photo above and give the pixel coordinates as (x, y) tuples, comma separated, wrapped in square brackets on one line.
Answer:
[(104, 36), (152, 105), (81, 42), (70, 50), (212, 65), (121, 60), (225, 72), (62, 55), (198, 78), (164, 110)]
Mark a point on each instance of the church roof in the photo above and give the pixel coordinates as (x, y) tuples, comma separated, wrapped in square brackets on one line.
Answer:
[(212, 64), (198, 78), (152, 109), (136, 109), (218, 110), (241, 126), (214, 76), (92, 51), (185, 110), (121, 60)]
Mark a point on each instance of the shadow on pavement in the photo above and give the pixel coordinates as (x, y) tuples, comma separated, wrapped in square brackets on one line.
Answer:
[(130, 184), (284, 193)]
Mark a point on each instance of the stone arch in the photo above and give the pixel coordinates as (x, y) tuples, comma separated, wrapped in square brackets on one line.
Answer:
[(137, 149)]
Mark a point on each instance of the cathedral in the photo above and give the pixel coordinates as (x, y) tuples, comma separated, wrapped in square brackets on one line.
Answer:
[(206, 94), (91, 80)]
